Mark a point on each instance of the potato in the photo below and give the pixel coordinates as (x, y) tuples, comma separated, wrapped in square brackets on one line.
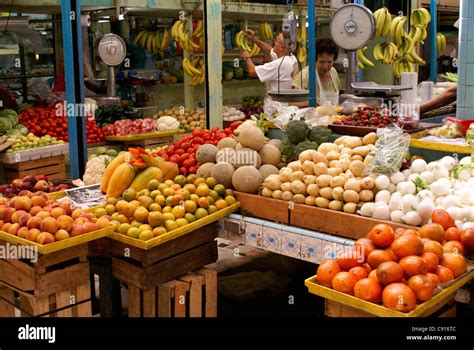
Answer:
[(308, 167), (367, 183), (321, 202), (337, 193), (337, 181), (334, 164), (318, 157), (277, 194), (297, 175), (368, 159), (369, 138), (313, 190), (320, 169), (350, 208), (352, 142), (345, 156), (351, 196), (272, 182), (340, 147), (357, 168), (326, 192), (335, 205), (344, 164), (326, 147), (299, 198), (310, 179), (362, 151), (340, 140), (266, 192), (366, 195), (334, 171), (285, 175), (286, 186), (357, 157), (306, 155), (348, 174), (352, 184), (295, 166), (332, 155), (298, 187), (287, 196), (324, 180), (310, 200), (346, 150)]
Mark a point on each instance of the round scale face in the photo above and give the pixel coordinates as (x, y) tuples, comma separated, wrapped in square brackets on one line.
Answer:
[(112, 49), (352, 26)]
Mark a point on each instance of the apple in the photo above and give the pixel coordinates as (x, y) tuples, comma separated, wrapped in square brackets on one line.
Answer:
[(17, 183), (41, 185), (41, 177), (31, 179)]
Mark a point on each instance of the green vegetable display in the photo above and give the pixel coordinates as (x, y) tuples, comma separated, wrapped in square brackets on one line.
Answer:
[(320, 134), (305, 145), (287, 150), (297, 131)]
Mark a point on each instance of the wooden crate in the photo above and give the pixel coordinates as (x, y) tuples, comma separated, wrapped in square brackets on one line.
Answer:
[(145, 270), (308, 217), (57, 284), (54, 167), (191, 295), (152, 142), (335, 309)]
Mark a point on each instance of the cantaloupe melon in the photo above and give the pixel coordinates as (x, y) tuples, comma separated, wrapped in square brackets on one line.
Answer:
[(226, 155), (205, 170), (227, 142), (247, 179), (276, 143), (268, 169), (252, 137), (247, 156), (223, 172), (206, 154), (270, 155)]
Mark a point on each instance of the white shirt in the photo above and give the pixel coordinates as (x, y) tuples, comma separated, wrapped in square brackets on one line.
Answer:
[(280, 69)]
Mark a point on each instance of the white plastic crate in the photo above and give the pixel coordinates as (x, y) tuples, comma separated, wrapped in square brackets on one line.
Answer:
[(34, 153)]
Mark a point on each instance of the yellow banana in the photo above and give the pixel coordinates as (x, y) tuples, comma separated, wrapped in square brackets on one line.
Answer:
[(393, 26), (379, 21), (268, 31), (199, 29), (378, 52), (440, 43), (399, 32), (360, 65), (138, 37), (193, 46), (166, 39), (426, 15), (143, 39), (186, 67), (417, 59), (388, 22), (149, 43), (364, 60)]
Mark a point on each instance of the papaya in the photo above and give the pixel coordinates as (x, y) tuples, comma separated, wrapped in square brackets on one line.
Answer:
[(150, 160), (170, 170), (142, 179), (120, 180), (120, 159)]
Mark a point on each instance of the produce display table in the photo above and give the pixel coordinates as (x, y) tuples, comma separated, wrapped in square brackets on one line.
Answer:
[(151, 140)]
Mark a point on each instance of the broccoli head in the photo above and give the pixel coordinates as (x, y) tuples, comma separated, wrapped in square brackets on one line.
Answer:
[(320, 134), (287, 150), (297, 131), (303, 146)]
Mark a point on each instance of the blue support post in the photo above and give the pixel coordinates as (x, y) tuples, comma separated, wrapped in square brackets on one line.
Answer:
[(312, 53), (433, 31), (73, 75)]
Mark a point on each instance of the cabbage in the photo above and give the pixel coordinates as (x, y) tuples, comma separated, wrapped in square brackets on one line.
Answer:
[(13, 132), (22, 129), (5, 124), (11, 115)]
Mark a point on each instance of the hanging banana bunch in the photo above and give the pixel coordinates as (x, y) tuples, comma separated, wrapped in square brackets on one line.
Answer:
[(242, 42), (363, 62), (194, 67), (182, 35), (383, 20), (155, 42), (301, 54), (396, 29), (440, 43), (265, 31), (402, 65), (385, 52), (301, 35)]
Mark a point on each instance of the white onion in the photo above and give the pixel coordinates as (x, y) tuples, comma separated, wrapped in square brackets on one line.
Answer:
[(466, 195), (448, 162), (425, 208), (397, 177), (465, 174), (445, 182), (392, 188), (381, 213), (465, 160), (466, 213), (455, 213), (396, 216), (383, 196), (406, 172), (451, 201), (439, 201), (413, 177), (406, 187), (439, 189), (470, 182), (423, 194), (395, 203), (412, 218), (432, 166), (367, 209), (428, 177), (418, 166), (409, 203), (382, 182)]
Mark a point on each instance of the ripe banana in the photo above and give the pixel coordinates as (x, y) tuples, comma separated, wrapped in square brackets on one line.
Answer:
[(440, 43), (301, 54), (396, 29), (183, 36), (385, 52), (198, 33), (138, 37), (407, 45), (265, 31), (301, 35), (402, 65), (383, 20), (166, 39), (417, 59), (242, 42), (362, 59), (195, 68)]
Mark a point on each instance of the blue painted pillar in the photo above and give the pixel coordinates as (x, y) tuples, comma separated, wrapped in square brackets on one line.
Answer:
[(433, 31), (465, 94), (73, 73), (312, 53)]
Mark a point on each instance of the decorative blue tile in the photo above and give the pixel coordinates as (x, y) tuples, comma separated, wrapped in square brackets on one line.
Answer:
[(470, 9), (461, 113), (461, 98)]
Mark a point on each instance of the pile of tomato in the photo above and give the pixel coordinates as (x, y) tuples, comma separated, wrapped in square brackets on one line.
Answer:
[(183, 150)]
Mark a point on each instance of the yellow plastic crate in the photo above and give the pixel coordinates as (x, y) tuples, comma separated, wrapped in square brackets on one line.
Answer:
[(436, 146)]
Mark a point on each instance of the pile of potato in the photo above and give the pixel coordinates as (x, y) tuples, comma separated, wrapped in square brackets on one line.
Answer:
[(189, 119), (329, 177)]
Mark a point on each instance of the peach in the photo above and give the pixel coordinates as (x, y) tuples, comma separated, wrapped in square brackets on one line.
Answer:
[(32, 235), (43, 214), (23, 203), (48, 208), (34, 222), (103, 222), (16, 216), (6, 227), (35, 210), (61, 234), (13, 230), (49, 225), (38, 201), (90, 227), (23, 232), (6, 214), (11, 202), (80, 221), (1, 223), (78, 230), (57, 212), (87, 216), (24, 219), (75, 214), (3, 201), (45, 238), (65, 222), (66, 205)]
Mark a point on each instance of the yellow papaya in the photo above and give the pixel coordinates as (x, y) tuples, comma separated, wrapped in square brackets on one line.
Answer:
[(142, 179), (170, 170), (120, 159), (151, 161), (120, 180)]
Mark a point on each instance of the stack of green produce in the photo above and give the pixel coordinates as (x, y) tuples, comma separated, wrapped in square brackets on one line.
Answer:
[(9, 124), (21, 142)]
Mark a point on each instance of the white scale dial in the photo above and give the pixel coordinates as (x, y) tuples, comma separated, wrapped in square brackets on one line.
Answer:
[(112, 49)]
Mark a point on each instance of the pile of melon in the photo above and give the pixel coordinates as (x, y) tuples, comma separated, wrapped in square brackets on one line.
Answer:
[(241, 163)]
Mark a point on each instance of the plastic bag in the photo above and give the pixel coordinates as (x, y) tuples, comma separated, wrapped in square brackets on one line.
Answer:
[(286, 114), (390, 150)]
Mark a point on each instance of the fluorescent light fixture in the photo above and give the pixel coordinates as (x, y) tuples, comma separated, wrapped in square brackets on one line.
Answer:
[(103, 21)]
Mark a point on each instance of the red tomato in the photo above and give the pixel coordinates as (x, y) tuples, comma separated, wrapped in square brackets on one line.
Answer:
[(175, 159), (165, 157), (196, 133), (179, 151), (192, 170), (184, 156), (185, 145), (183, 171), (198, 141)]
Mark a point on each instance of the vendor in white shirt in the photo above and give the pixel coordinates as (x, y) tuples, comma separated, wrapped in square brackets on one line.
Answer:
[(277, 74)]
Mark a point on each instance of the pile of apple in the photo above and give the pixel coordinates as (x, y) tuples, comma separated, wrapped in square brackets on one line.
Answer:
[(38, 218), (31, 183)]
